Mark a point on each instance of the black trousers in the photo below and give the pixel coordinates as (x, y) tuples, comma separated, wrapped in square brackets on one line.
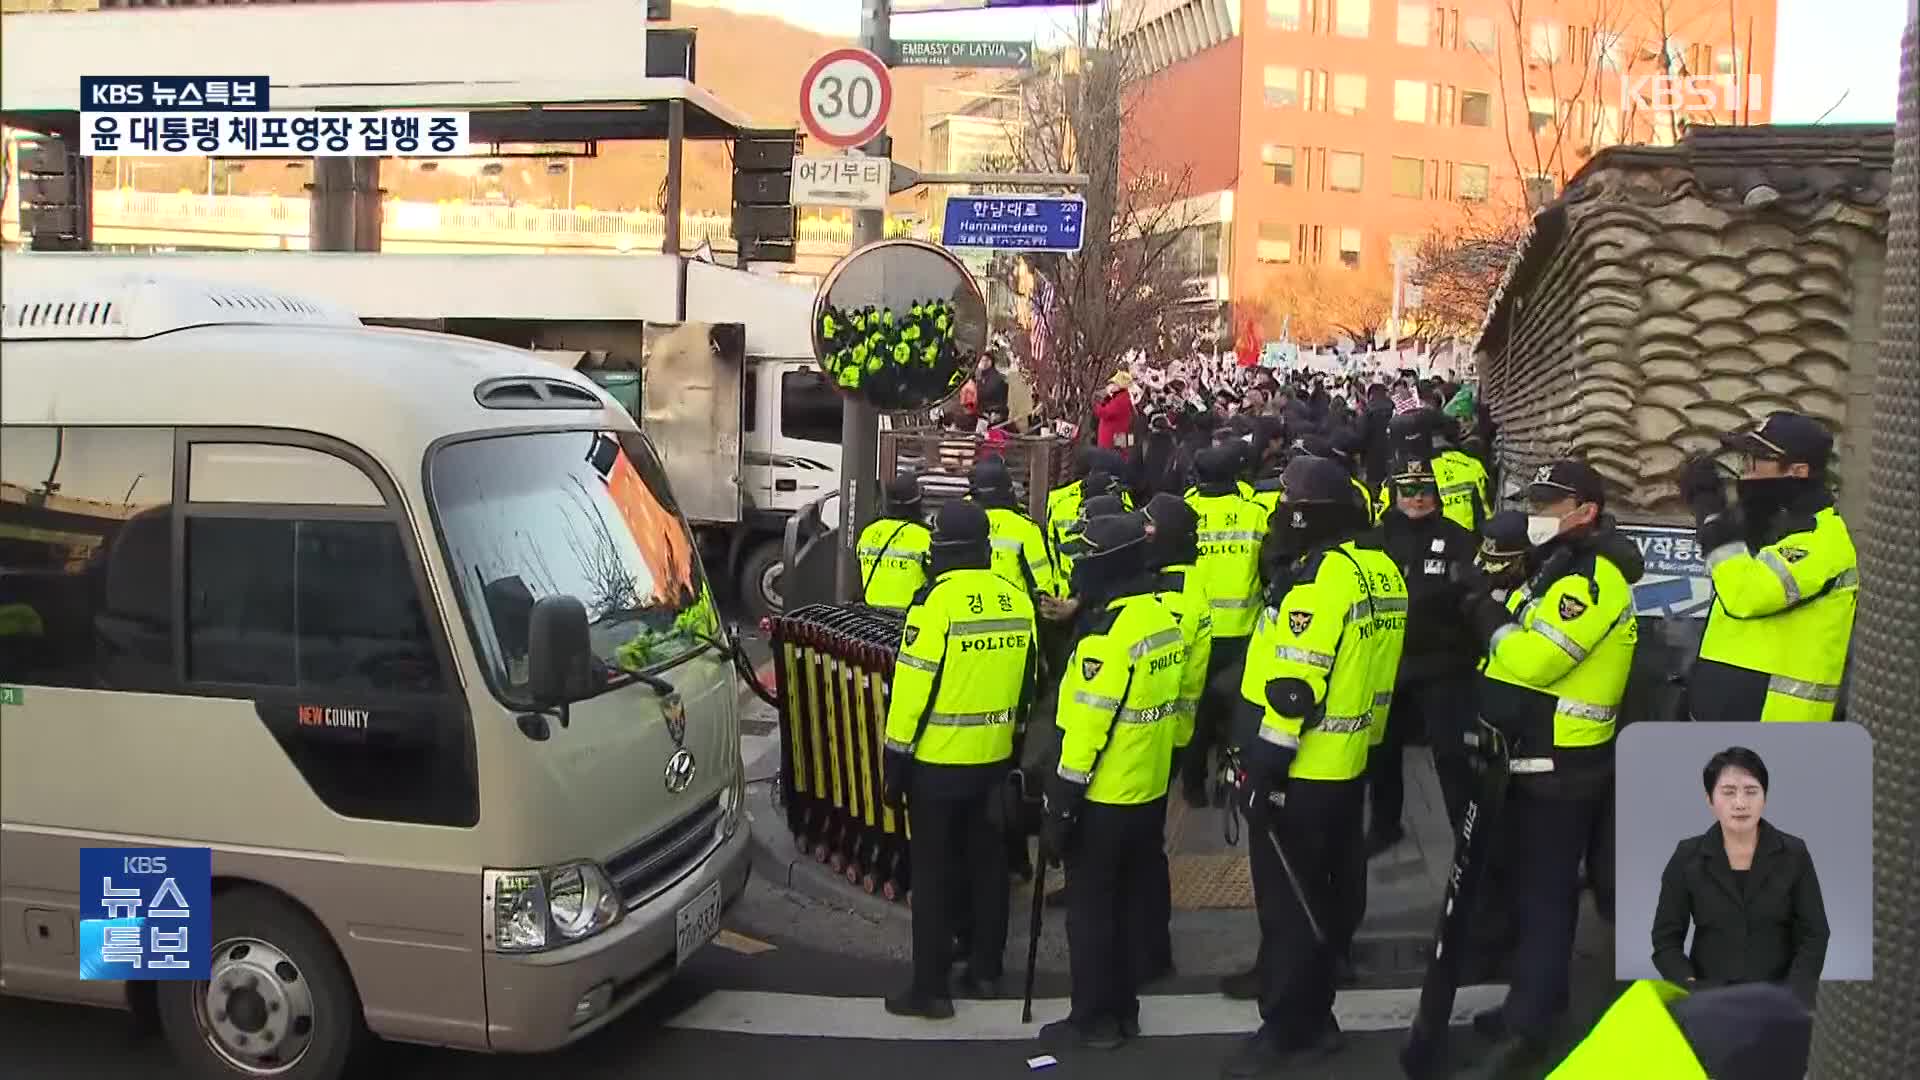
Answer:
[(1160, 917), (1322, 824), (1212, 723), (1546, 836), (1440, 712), (959, 881), (1111, 897)]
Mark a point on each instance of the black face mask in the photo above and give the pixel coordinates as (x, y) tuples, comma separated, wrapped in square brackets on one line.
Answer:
[(1763, 498)]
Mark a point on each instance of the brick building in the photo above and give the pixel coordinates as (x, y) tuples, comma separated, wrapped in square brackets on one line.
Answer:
[(1335, 131)]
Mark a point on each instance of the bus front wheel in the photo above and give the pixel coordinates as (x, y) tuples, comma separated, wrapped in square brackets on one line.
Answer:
[(279, 1001)]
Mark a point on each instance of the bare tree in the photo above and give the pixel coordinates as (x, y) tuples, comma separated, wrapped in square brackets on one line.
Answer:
[(1457, 267), (1320, 304), (1124, 291)]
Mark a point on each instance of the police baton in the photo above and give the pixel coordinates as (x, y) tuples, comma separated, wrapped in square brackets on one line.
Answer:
[(1033, 926), (1315, 923)]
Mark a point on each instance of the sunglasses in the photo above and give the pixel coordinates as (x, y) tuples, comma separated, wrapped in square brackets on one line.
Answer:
[(1414, 491)]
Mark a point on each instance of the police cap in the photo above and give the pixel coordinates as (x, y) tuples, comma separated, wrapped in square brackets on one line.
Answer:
[(960, 522), (1789, 437), (1106, 460), (1413, 471), (1567, 477), (1310, 479), (1505, 535), (1169, 513), (1348, 441), (1112, 534)]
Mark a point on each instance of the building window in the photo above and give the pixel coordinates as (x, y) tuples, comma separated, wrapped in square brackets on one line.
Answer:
[(1351, 16), (1727, 62), (1275, 244), (1317, 91), (1474, 182), (1409, 177), (1410, 101), (1283, 86), (1539, 114), (1545, 43), (1279, 162), (1540, 191), (1283, 14), (1415, 26), (1479, 34), (1349, 94), (1476, 108), (1345, 170), (1350, 247)]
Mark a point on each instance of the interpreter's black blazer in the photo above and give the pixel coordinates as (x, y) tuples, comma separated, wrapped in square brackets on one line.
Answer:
[(1774, 931)]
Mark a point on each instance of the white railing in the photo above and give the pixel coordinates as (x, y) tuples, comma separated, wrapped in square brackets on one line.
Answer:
[(272, 215)]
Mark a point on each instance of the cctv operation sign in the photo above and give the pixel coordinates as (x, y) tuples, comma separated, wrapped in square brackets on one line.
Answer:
[(845, 97)]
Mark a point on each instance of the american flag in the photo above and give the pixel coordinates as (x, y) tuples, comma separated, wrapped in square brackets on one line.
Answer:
[(1405, 400)]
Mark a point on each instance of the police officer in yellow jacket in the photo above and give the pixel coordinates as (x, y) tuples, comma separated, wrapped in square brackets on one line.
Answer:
[(1019, 547), (1752, 1031), (1785, 578), (893, 550), (1312, 675), (1462, 480), (1558, 654), (962, 678), (1100, 475), (1231, 528), (1172, 546), (1118, 716)]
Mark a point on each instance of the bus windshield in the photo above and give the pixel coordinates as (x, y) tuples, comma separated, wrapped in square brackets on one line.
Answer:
[(585, 514)]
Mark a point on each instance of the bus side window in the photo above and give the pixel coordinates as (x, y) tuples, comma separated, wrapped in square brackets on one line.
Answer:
[(86, 557)]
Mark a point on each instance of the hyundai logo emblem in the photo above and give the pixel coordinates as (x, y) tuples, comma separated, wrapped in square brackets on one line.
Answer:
[(680, 770)]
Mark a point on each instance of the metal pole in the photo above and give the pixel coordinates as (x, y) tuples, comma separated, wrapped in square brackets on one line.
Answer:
[(676, 137), (1393, 328), (860, 424)]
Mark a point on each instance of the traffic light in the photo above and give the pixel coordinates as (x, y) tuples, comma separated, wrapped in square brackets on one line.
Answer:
[(764, 220), (54, 196)]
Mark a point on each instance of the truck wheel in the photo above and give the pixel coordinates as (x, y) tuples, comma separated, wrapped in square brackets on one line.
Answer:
[(760, 572), (279, 1002)]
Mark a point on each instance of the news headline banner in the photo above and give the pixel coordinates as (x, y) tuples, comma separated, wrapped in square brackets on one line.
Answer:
[(173, 93), (146, 913), (275, 134)]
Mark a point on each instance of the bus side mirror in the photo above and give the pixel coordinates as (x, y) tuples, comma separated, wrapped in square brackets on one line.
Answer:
[(559, 652)]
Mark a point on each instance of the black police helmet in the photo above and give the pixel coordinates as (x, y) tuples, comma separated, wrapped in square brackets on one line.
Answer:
[(1099, 482), (960, 522), (1102, 506), (990, 475), (903, 492), (1313, 446), (1106, 460), (1348, 441), (1313, 480), (1217, 464)]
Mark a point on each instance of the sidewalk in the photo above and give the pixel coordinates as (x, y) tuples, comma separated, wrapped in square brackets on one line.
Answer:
[(1213, 920)]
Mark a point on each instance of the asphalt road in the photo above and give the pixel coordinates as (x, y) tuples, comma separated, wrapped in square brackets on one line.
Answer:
[(791, 964)]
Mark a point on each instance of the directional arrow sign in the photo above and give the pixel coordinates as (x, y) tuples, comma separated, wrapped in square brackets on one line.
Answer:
[(963, 54)]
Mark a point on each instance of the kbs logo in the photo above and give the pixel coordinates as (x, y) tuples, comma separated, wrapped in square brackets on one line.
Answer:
[(1711, 94)]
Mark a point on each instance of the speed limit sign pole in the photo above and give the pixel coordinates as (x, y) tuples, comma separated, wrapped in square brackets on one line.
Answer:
[(844, 100)]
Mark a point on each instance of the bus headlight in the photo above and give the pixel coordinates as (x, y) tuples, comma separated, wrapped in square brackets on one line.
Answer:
[(531, 910)]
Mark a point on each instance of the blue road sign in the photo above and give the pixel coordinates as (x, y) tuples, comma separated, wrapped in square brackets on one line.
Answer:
[(1015, 222), (1676, 583)]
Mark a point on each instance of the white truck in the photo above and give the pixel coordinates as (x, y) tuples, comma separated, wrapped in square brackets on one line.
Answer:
[(748, 428)]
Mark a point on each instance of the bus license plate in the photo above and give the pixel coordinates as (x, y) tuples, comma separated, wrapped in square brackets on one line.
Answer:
[(696, 924)]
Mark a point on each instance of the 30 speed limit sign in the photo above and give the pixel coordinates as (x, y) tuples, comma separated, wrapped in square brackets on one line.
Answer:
[(845, 96)]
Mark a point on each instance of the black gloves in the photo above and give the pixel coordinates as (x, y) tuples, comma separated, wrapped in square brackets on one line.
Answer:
[(1702, 488), (1485, 614), (1260, 784), (1060, 814), (1727, 526), (896, 769)]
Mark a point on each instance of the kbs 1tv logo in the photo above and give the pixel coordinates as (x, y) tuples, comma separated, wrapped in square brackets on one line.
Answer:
[(146, 913), (1712, 95), (228, 116)]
